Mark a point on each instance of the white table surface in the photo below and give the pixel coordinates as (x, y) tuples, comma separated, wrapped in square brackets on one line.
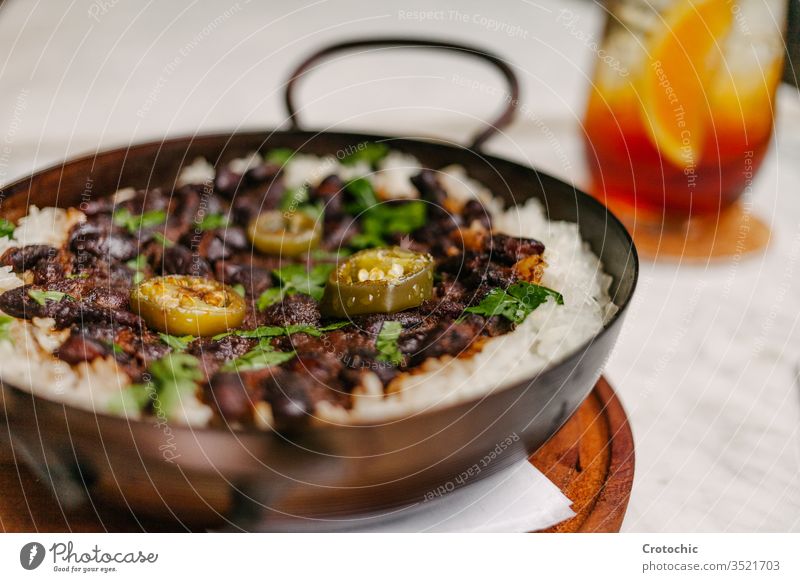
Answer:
[(708, 365)]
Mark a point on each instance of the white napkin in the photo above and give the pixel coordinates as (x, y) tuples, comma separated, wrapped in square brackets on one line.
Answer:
[(518, 499)]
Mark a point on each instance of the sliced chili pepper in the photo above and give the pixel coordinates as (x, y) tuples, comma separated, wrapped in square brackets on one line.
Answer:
[(184, 305), (286, 234), (382, 280)]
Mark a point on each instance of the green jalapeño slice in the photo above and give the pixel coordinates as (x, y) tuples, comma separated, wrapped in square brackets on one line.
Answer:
[(184, 305), (285, 234), (382, 280)]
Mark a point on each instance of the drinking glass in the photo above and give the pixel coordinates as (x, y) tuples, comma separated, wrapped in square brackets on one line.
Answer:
[(681, 107)]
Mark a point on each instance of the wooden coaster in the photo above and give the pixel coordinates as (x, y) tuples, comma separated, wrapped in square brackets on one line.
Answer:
[(590, 459), (734, 233)]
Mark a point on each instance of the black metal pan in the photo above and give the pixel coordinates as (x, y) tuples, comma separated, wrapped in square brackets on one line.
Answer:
[(258, 480)]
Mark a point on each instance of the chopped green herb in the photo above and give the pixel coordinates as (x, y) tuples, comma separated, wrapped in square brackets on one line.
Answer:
[(78, 276), (334, 326), (6, 228), (137, 265), (279, 156), (134, 224), (294, 198), (172, 378), (175, 376), (134, 398), (378, 220), (164, 241), (321, 255), (270, 297), (386, 342), (262, 356), (178, 343), (315, 211), (5, 327), (369, 152), (239, 288), (212, 221), (268, 331), (117, 349), (296, 279), (363, 194), (42, 297), (259, 332), (516, 302), (401, 218)]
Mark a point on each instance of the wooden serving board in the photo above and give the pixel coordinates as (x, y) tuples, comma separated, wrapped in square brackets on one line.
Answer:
[(590, 459)]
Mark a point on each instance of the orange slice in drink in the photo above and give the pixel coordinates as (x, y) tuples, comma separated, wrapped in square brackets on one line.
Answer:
[(683, 57)]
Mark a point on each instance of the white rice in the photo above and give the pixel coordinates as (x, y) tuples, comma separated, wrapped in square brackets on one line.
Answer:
[(548, 335), (302, 169), (393, 178), (198, 172)]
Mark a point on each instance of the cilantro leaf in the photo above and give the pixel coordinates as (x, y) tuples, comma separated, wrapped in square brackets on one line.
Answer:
[(175, 377), (263, 331), (334, 326), (172, 378), (133, 223), (404, 217), (137, 265), (5, 327), (363, 195), (42, 297), (377, 220), (270, 297), (270, 331), (239, 288), (532, 295), (294, 198), (133, 398), (369, 152), (386, 342), (516, 302), (212, 221), (179, 343), (296, 278), (397, 218), (279, 156), (262, 356), (6, 228), (323, 255), (165, 242)]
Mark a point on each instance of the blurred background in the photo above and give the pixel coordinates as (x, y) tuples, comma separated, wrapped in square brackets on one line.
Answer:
[(708, 365)]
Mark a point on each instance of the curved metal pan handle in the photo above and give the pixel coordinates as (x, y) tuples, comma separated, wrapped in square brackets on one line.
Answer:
[(505, 117)]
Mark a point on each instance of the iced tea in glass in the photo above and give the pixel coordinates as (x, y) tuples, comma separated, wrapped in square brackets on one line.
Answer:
[(681, 107)]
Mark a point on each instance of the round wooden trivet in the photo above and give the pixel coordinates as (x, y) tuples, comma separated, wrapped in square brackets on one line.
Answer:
[(590, 459)]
